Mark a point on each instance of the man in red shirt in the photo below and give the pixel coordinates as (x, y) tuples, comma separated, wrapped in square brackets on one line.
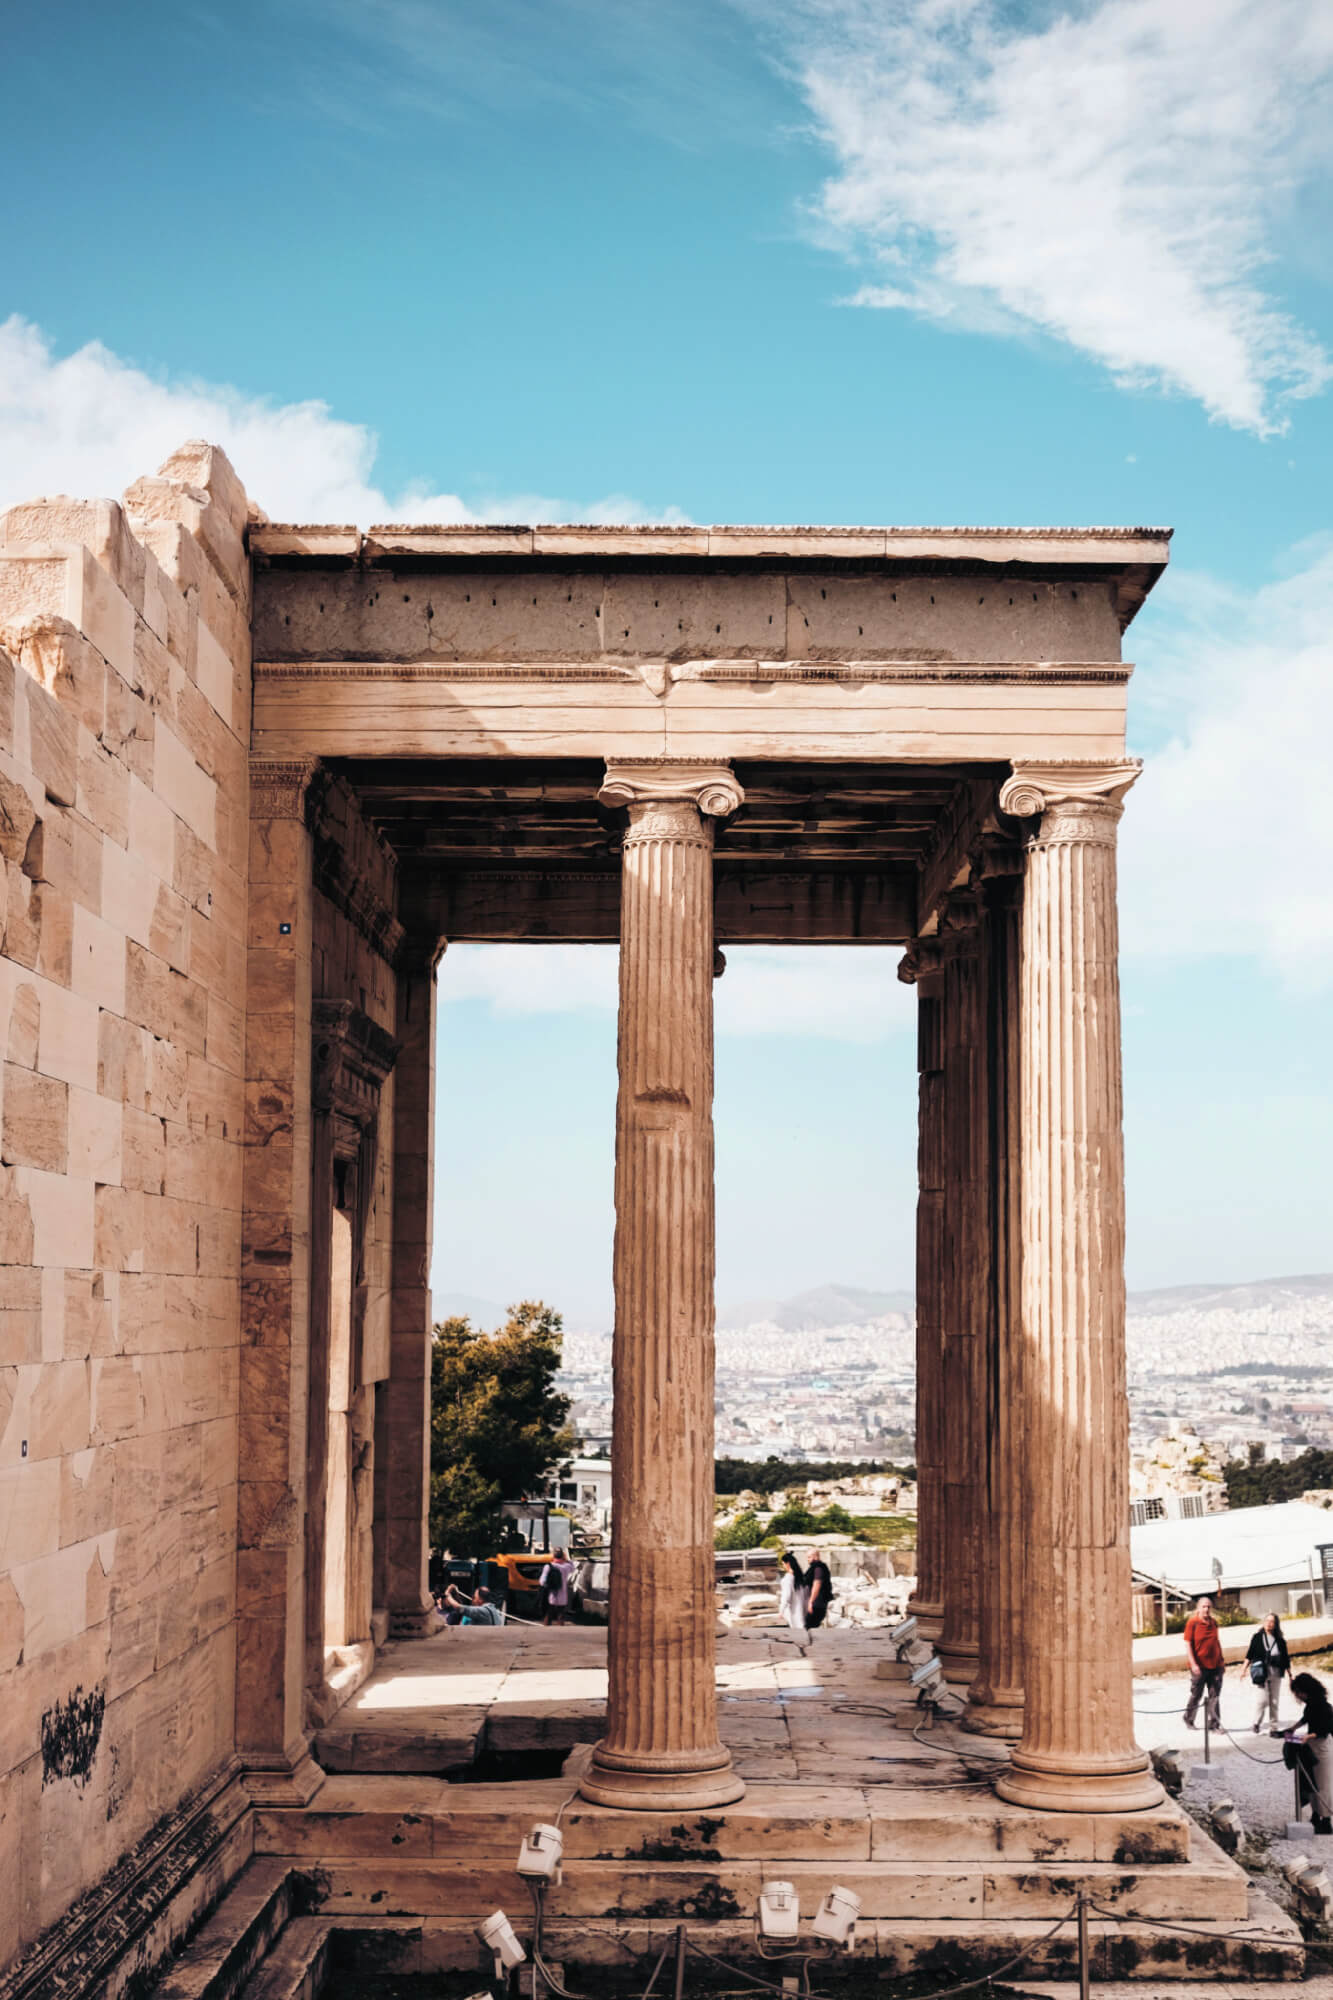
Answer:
[(1203, 1650)]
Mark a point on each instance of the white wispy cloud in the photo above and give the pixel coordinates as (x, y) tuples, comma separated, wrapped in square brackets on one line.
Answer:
[(1226, 838), (1116, 174), (847, 994), (89, 423)]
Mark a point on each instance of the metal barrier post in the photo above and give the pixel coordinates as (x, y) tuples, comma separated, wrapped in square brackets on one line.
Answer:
[(1084, 1967), (1207, 1704), (680, 1962), (1296, 1777)]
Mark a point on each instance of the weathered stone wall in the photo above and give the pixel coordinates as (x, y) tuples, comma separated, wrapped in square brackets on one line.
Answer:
[(124, 721)]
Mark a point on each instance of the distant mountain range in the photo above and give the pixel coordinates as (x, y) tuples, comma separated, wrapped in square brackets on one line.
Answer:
[(826, 1305), (1257, 1294), (849, 1305)]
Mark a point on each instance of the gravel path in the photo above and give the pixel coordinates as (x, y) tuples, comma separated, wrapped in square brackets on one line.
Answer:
[(1243, 1767)]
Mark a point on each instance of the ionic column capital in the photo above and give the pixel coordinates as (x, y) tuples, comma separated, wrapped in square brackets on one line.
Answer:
[(1078, 800), (922, 959), (709, 787)]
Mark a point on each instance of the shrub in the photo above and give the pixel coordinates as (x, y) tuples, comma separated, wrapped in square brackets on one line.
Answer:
[(742, 1533)]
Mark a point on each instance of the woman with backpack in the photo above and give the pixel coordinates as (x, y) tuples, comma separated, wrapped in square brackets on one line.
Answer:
[(1266, 1663)]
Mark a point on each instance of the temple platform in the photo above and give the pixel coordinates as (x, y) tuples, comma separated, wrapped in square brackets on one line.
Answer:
[(390, 1868)]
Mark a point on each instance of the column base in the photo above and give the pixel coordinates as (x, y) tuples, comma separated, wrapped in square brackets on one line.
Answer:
[(289, 1778), (958, 1658), (1068, 1785), (929, 1615), (994, 1712), (684, 1782)]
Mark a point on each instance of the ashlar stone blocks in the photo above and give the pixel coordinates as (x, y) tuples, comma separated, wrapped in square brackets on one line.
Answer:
[(121, 981)]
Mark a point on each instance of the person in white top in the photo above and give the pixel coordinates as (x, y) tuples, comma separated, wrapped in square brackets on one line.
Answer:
[(792, 1597)]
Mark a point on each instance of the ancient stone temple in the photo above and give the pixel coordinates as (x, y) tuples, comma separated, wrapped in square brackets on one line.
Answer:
[(254, 780)]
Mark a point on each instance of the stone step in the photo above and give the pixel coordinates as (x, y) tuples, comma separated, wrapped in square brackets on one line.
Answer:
[(1266, 1946), (1209, 1886), (422, 1817), (359, 1740), (239, 1936)]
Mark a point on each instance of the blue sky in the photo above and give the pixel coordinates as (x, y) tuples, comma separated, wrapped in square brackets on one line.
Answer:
[(835, 260)]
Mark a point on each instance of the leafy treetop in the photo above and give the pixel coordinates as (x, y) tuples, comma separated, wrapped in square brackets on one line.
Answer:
[(497, 1425)]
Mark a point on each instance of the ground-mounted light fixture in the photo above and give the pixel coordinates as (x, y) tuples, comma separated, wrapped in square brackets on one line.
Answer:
[(779, 1910), (835, 1919), (539, 1856), (928, 1679), (497, 1934)]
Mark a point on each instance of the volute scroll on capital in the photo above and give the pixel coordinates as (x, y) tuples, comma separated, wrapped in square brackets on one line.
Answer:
[(1098, 782), (709, 787)]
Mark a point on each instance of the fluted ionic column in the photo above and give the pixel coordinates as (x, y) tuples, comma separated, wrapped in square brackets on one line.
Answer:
[(966, 1285), (661, 1748), (1077, 1751), (921, 968), (995, 1698)]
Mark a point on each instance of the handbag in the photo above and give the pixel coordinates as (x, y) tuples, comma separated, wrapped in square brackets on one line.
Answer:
[(1258, 1672)]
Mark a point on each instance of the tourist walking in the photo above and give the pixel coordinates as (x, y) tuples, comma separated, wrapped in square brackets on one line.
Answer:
[(554, 1584), (792, 1597), (1309, 1749), (1203, 1650), (1266, 1662), (818, 1590)]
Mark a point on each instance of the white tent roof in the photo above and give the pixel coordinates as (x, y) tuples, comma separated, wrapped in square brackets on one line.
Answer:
[(1254, 1545)]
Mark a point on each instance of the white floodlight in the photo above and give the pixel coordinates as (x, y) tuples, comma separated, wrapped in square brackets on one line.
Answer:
[(902, 1635), (779, 1910), (497, 1934), (835, 1919), (539, 1856), (928, 1677)]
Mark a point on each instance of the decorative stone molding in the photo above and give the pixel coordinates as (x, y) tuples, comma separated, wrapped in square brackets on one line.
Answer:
[(147, 1903), (921, 960), (278, 786), (709, 787), (351, 1057), (960, 916)]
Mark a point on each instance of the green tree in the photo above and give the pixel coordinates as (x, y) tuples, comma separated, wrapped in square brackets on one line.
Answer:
[(497, 1423)]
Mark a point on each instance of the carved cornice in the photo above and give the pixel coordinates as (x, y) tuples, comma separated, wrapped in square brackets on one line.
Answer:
[(278, 786), (351, 1056), (903, 668), (356, 898), (709, 787), (961, 914), (998, 856)]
